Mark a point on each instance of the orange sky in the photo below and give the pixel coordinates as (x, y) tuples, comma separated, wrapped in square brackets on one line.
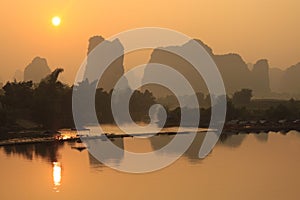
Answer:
[(253, 28)]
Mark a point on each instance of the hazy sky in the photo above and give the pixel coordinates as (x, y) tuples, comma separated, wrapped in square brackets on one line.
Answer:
[(253, 28)]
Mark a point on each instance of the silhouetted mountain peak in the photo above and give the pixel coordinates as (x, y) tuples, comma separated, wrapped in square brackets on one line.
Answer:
[(262, 63), (294, 68), (97, 60), (36, 70), (285, 81), (260, 73), (232, 59), (93, 42), (205, 46)]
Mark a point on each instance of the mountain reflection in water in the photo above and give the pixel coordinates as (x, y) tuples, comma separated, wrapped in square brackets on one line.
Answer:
[(50, 151), (243, 166)]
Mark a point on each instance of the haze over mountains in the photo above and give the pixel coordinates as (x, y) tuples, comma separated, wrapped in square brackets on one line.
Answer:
[(285, 81), (265, 82)]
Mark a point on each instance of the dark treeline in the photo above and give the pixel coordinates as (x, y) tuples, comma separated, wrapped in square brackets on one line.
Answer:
[(48, 105), (241, 107), (25, 105)]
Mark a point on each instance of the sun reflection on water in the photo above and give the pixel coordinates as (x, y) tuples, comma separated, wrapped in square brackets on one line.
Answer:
[(56, 175)]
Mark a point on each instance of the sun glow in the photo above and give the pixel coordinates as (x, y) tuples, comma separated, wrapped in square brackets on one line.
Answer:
[(56, 21)]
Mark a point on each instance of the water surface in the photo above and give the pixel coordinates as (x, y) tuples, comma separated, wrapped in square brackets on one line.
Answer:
[(244, 166)]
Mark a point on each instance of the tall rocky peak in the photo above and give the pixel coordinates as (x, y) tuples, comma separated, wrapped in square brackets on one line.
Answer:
[(36, 70), (205, 46), (98, 59), (93, 42), (234, 71), (260, 76), (165, 57), (276, 76)]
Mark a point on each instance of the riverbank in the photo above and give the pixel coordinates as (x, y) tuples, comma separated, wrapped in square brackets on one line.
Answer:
[(26, 136), (40, 136), (236, 126)]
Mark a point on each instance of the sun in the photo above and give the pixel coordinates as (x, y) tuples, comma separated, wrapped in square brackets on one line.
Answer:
[(56, 21)]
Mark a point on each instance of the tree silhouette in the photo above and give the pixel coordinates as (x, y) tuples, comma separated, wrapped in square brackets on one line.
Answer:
[(18, 94), (140, 104), (52, 102), (242, 97)]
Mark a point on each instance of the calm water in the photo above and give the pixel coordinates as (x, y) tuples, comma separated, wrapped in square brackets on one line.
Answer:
[(254, 166)]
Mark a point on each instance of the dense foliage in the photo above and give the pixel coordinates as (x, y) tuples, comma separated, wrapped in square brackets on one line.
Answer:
[(48, 105)]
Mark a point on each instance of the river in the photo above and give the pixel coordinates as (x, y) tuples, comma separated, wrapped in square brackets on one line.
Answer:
[(244, 166)]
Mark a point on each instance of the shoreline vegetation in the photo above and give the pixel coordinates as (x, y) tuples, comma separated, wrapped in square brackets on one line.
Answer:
[(32, 112)]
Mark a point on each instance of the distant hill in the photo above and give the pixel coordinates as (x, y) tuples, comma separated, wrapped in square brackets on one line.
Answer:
[(36, 70), (19, 75), (285, 81), (234, 70)]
